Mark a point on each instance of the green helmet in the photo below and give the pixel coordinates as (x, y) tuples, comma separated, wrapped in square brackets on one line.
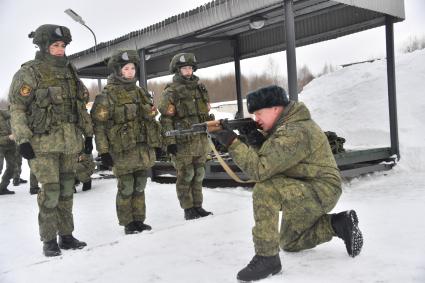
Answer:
[(181, 60), (45, 35), (121, 58)]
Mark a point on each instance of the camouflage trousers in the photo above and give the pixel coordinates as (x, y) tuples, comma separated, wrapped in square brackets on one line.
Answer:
[(55, 173), (18, 170), (304, 223), (9, 154), (190, 174), (18, 166), (130, 201)]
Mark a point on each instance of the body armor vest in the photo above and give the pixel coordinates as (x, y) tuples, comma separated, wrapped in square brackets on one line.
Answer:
[(131, 120), (56, 97), (191, 105)]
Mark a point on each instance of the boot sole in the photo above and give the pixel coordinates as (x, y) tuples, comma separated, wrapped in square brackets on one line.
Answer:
[(356, 235)]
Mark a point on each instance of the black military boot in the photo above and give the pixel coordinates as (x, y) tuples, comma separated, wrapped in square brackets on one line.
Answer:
[(130, 228), (191, 213), (51, 248), (140, 226), (18, 181), (202, 212), (67, 242), (87, 186), (345, 225), (259, 268), (5, 191)]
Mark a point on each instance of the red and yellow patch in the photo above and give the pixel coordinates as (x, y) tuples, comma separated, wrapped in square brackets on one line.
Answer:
[(25, 90)]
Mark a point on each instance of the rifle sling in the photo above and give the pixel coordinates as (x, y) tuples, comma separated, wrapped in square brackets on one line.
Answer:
[(226, 167)]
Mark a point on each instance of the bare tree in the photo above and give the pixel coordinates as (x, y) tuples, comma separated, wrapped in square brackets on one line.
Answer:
[(413, 44), (304, 77)]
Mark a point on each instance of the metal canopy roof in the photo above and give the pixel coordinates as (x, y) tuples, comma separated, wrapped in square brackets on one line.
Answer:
[(211, 30)]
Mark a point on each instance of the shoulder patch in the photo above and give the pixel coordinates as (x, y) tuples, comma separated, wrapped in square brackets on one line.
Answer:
[(25, 90), (101, 113)]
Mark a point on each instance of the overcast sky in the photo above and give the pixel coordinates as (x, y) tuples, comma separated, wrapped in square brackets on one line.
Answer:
[(111, 19)]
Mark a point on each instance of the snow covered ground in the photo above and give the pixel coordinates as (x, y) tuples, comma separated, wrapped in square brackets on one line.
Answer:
[(390, 205)]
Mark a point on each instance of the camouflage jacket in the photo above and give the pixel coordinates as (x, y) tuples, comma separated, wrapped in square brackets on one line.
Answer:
[(184, 103), (48, 106), (295, 148), (5, 129), (125, 125)]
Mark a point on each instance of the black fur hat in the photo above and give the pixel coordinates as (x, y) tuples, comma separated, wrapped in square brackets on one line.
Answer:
[(266, 97)]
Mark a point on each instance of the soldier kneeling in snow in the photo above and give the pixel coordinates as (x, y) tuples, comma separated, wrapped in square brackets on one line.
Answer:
[(296, 173)]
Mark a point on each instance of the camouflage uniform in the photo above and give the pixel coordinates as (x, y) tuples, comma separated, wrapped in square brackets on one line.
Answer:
[(295, 172), (185, 102), (125, 127), (48, 112), (7, 149)]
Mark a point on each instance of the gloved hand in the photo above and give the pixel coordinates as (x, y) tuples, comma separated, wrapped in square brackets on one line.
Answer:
[(88, 145), (106, 159), (252, 137), (224, 136), (172, 149), (25, 149)]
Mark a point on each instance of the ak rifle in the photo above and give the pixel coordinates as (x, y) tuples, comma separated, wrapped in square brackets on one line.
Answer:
[(243, 124)]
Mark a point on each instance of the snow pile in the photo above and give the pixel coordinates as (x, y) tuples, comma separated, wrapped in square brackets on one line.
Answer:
[(353, 102)]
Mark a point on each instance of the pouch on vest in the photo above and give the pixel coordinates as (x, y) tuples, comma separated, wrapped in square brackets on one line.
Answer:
[(41, 112), (153, 131), (55, 93)]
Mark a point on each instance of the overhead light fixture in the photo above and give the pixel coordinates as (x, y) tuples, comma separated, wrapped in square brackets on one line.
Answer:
[(147, 57), (257, 22), (80, 20), (74, 16)]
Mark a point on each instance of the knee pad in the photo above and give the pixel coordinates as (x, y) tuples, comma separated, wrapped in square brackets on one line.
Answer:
[(187, 173), (126, 186), (49, 195), (199, 173)]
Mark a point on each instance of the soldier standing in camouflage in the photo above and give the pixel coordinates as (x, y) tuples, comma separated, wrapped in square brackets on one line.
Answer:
[(126, 134), (295, 172), (184, 102), (7, 151), (49, 120)]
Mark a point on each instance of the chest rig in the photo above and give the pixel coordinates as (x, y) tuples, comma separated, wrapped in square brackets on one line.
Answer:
[(131, 120), (191, 103), (56, 97)]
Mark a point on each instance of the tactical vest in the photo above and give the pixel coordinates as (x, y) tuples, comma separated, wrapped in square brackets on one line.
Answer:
[(131, 120), (191, 105), (56, 97)]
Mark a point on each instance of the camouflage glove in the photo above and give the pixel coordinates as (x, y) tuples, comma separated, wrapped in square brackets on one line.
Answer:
[(106, 159), (25, 149), (172, 149), (88, 145), (225, 136)]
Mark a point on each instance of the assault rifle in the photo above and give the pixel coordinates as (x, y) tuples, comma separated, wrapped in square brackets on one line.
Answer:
[(242, 125)]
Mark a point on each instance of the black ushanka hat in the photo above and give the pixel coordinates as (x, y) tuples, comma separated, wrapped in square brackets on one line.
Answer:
[(266, 97)]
